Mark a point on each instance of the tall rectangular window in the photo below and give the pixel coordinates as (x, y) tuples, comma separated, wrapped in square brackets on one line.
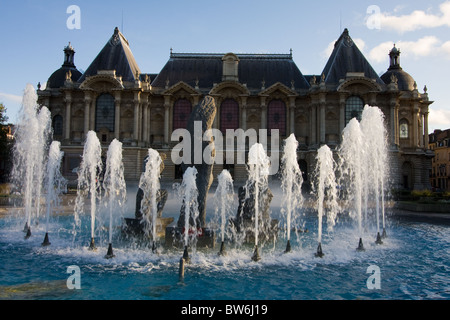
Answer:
[(105, 112)]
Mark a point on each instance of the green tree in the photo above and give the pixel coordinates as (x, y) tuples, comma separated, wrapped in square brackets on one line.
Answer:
[(5, 145)]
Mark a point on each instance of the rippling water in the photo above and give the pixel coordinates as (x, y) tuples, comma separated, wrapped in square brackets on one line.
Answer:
[(413, 262)]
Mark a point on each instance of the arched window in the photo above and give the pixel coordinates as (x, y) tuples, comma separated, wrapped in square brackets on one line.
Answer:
[(276, 116), (353, 108), (404, 129), (104, 112), (229, 115), (181, 113), (57, 125)]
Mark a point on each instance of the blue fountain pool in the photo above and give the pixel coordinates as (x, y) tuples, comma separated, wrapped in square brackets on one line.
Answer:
[(413, 263)]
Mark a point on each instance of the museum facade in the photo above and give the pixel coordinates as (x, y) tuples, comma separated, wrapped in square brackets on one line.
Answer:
[(251, 91)]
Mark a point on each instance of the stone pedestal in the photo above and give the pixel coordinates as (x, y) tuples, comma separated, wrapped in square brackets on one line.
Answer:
[(174, 238)]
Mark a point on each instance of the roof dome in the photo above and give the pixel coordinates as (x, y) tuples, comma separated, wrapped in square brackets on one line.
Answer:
[(404, 81), (58, 77)]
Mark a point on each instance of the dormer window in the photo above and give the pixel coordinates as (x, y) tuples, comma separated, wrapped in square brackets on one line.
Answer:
[(230, 67)]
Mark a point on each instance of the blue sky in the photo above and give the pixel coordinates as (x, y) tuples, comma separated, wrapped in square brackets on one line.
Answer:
[(34, 33)]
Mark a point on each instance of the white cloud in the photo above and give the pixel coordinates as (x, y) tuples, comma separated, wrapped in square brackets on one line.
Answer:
[(438, 119), (424, 47), (416, 20), (6, 97)]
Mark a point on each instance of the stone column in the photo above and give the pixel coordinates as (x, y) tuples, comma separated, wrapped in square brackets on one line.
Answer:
[(291, 116), (117, 115), (342, 99), (415, 119), (166, 119), (145, 119), (263, 113), (322, 122), (136, 100), (243, 121), (394, 124), (313, 122), (420, 133), (425, 121), (68, 115), (92, 116), (87, 113)]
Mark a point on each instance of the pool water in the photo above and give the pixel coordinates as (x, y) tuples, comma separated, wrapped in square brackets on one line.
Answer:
[(413, 264)]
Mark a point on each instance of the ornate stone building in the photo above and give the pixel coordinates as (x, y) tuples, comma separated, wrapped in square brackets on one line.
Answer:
[(260, 91), (440, 170)]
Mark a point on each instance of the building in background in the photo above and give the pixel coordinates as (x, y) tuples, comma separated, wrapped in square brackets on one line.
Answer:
[(440, 168), (260, 91)]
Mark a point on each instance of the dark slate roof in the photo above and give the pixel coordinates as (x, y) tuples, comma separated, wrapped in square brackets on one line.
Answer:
[(252, 70), (115, 55), (346, 57), (404, 81), (58, 77)]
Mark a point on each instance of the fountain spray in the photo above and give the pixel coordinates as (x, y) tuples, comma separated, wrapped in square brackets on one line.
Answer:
[(189, 192), (31, 140), (292, 181), (352, 157), (55, 182), (258, 172), (372, 127), (326, 183), (114, 185), (223, 201), (88, 180), (149, 183)]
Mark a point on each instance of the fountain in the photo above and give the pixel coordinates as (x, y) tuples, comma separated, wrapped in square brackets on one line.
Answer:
[(31, 136), (89, 181), (257, 184), (55, 183), (372, 127), (252, 222), (352, 156), (223, 200), (114, 186), (189, 194), (326, 187), (292, 181)]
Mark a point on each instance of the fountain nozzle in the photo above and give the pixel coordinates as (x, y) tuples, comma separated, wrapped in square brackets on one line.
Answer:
[(319, 252), (378, 241), (256, 257), (110, 253), (92, 245), (288, 247), (360, 246), (384, 235), (28, 233), (222, 251), (46, 242), (186, 255)]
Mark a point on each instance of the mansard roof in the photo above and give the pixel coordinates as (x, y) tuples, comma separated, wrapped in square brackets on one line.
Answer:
[(115, 55), (205, 69), (346, 57)]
